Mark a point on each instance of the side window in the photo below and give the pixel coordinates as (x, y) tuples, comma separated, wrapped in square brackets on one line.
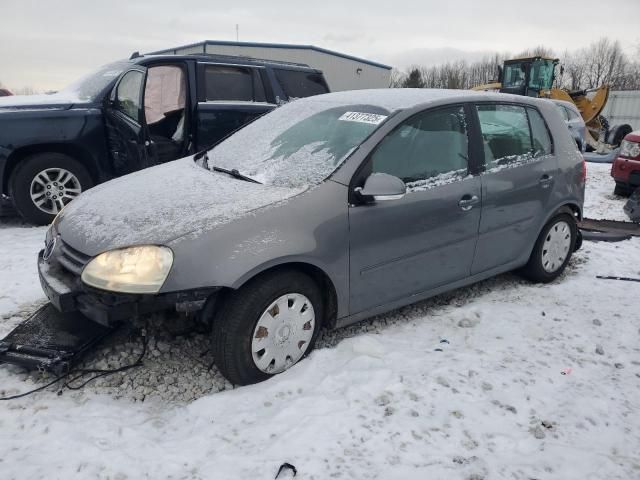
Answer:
[(428, 149), (129, 95), (541, 140), (296, 84), (228, 83), (505, 134)]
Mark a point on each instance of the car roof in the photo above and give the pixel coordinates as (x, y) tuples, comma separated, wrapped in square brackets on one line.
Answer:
[(226, 59), (394, 99)]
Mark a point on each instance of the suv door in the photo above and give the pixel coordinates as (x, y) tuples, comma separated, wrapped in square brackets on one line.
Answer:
[(127, 135), (427, 238), (517, 184), (229, 97)]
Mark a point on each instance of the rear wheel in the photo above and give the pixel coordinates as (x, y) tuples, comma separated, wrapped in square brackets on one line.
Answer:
[(267, 326), (44, 183), (553, 249)]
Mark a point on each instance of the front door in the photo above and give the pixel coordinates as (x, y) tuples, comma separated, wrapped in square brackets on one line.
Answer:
[(427, 238), (127, 136)]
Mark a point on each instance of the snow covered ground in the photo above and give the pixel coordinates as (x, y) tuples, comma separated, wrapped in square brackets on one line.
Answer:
[(600, 202), (501, 380)]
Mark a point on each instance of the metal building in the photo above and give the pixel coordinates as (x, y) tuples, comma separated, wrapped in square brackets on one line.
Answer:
[(342, 72), (623, 106)]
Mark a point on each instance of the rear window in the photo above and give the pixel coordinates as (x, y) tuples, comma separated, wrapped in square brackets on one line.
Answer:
[(228, 83), (300, 84)]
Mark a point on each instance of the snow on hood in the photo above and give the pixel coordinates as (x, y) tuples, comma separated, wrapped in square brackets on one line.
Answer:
[(160, 204), (54, 100)]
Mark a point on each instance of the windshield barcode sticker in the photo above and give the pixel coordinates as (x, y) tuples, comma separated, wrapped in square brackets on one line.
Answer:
[(372, 118)]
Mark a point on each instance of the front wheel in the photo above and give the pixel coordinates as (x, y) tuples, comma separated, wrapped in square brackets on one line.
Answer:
[(553, 249), (622, 190), (267, 326), (44, 183)]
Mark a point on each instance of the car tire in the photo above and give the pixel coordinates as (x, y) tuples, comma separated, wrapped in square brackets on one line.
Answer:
[(242, 343), (622, 190), (36, 173), (553, 249)]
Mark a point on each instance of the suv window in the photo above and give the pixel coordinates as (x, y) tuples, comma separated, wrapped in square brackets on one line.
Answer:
[(129, 95), (541, 140), (297, 84), (572, 114), (505, 133), (428, 149), (228, 83)]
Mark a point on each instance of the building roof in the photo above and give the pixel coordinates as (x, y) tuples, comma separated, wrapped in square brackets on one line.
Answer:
[(273, 45)]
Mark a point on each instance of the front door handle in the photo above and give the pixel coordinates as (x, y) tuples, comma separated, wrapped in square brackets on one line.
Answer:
[(467, 202), (545, 181)]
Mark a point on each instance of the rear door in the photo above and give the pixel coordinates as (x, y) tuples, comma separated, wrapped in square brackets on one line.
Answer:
[(127, 135), (427, 238), (517, 184), (229, 97)]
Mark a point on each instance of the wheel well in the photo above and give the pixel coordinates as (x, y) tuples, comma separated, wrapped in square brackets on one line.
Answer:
[(573, 209), (327, 290), (71, 150)]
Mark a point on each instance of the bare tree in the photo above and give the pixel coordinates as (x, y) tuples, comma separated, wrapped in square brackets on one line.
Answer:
[(28, 90), (396, 79)]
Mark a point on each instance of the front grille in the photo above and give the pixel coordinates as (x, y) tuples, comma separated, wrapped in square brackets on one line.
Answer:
[(71, 259)]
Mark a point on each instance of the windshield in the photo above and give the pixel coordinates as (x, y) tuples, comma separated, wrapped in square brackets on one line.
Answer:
[(89, 87), (541, 74), (298, 144)]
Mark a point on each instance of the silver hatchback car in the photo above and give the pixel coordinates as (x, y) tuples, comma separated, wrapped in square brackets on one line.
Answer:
[(321, 213)]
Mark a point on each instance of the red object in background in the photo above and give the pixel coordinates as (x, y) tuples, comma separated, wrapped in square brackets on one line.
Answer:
[(625, 169), (4, 92)]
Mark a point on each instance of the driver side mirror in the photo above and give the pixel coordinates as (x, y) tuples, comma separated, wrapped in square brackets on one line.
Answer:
[(382, 186)]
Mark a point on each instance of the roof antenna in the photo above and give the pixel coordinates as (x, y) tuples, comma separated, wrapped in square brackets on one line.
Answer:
[(135, 54)]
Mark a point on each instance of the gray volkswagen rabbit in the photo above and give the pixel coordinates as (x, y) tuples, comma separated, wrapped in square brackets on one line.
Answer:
[(326, 211)]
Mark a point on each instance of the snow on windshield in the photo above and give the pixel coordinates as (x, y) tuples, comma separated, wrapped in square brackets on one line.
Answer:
[(300, 143), (88, 87)]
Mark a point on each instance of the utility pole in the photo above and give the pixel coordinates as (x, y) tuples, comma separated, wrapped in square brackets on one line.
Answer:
[(237, 32)]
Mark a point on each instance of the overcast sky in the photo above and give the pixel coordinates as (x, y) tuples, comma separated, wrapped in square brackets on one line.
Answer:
[(47, 44)]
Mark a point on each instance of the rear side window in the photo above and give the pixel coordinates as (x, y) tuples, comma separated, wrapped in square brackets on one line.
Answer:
[(505, 134), (228, 83), (541, 140), (297, 84), (564, 113)]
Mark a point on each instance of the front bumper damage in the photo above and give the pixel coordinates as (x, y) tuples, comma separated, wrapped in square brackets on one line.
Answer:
[(78, 317)]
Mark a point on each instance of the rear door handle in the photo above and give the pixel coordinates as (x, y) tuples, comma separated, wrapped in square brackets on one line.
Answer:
[(545, 181), (467, 202)]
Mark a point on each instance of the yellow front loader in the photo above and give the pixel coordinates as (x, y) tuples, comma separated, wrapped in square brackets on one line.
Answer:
[(534, 77)]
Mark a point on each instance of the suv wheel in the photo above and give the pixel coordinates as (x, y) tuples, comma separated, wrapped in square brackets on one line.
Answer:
[(44, 183), (267, 326), (553, 249)]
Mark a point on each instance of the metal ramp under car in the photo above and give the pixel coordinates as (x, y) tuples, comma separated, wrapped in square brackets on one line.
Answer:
[(50, 340)]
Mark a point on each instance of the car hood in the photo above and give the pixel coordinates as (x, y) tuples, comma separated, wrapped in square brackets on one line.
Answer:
[(57, 101), (160, 204)]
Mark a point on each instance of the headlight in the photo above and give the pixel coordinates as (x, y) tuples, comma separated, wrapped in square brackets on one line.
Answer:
[(140, 269), (630, 149)]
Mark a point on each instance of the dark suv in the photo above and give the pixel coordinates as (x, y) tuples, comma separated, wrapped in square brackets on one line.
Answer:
[(133, 114)]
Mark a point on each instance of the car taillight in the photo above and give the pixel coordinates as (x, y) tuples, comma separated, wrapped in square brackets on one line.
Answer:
[(584, 171)]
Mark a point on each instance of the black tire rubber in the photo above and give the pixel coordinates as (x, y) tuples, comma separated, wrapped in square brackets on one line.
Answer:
[(534, 270), (28, 168), (235, 322), (622, 190)]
